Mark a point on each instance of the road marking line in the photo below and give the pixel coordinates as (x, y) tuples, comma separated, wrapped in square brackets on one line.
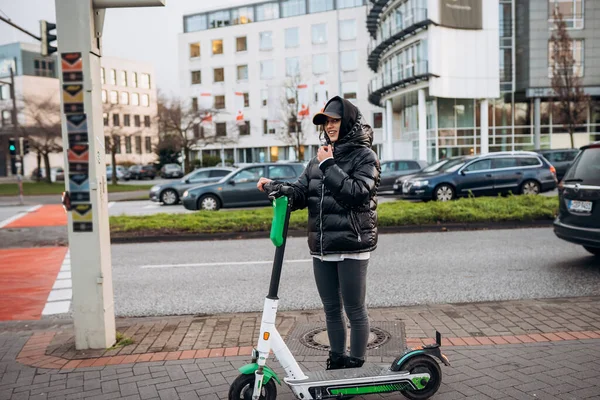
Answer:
[(19, 215), (59, 298), (219, 264)]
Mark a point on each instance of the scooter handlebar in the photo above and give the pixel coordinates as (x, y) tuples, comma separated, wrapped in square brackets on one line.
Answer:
[(276, 190)]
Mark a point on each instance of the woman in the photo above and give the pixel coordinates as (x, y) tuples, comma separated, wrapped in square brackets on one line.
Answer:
[(339, 188)]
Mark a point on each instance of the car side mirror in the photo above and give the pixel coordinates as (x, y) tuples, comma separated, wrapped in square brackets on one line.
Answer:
[(462, 172), (231, 182)]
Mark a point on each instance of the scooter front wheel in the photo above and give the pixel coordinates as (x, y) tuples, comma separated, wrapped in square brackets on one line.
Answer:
[(423, 365), (242, 387)]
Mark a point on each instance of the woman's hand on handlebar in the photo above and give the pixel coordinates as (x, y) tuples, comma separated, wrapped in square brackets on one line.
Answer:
[(261, 183)]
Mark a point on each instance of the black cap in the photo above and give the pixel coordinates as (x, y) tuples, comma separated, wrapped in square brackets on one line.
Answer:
[(333, 109)]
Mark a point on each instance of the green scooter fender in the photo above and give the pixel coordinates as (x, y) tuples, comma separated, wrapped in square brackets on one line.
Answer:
[(251, 368)]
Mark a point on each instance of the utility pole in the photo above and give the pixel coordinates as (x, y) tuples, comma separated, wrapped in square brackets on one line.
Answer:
[(15, 120)]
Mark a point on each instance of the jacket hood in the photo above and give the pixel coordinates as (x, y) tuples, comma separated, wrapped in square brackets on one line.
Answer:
[(353, 133)]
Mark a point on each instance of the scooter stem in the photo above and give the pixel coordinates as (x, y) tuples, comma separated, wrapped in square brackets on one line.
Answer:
[(278, 261)]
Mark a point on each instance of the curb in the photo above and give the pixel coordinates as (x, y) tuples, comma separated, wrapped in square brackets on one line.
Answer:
[(121, 238)]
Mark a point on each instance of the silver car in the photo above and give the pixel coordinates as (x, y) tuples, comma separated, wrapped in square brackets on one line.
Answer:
[(170, 193)]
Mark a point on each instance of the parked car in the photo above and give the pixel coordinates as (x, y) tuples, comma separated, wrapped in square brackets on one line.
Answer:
[(171, 171), (561, 159), (391, 170), (495, 173), (238, 189), (578, 218), (171, 193), (142, 172), (122, 173), (430, 168), (56, 174)]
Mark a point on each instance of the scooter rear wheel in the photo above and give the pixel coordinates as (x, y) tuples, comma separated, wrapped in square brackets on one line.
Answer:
[(242, 387), (423, 365)]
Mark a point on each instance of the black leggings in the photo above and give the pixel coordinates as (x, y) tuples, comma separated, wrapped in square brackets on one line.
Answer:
[(344, 281)]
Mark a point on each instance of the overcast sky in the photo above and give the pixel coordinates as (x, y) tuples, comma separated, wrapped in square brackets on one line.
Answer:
[(143, 34)]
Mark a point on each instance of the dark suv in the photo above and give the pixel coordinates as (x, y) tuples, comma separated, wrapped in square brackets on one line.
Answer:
[(142, 172), (561, 159), (578, 218), (490, 174)]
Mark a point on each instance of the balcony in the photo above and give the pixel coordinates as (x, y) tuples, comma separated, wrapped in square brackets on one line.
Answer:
[(373, 16), (395, 79), (412, 23)]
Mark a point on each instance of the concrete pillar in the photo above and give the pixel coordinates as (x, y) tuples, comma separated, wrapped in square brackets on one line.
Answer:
[(422, 113), (485, 135), (537, 123), (389, 131)]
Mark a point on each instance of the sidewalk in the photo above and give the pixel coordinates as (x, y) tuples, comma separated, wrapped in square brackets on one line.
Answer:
[(529, 349)]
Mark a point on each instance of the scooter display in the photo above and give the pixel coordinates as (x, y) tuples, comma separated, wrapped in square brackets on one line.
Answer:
[(415, 373)]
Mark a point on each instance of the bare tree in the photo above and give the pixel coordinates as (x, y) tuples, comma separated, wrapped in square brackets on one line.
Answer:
[(113, 134), (566, 79), (294, 114), (43, 129)]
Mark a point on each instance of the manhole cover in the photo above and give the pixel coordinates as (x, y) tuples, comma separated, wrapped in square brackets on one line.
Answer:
[(318, 339)]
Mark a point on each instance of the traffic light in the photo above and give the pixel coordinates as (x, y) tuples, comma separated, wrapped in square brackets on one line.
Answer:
[(25, 146), (12, 147), (47, 37)]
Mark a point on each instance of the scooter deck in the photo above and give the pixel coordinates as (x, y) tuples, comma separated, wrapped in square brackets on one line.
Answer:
[(381, 372)]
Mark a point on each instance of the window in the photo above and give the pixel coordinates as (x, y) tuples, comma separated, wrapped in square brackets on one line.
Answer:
[(145, 81), (572, 12), (147, 121), (267, 11), (481, 165), (196, 77), (194, 50), (125, 98), (320, 64), (220, 102), (107, 144), (218, 75), (319, 33), (217, 46), (197, 130), (102, 76), (126, 120), (528, 161), (246, 100), (112, 77), (105, 116), (4, 92), (290, 8), (148, 141), (267, 69), (266, 129), (498, 163), (264, 97), (240, 44), (104, 96), (136, 121), (123, 78), (292, 37), (128, 144), (114, 97), (348, 29), (292, 66), (282, 172), (194, 104), (221, 128), (116, 120), (349, 60), (219, 18), (242, 15), (248, 175), (349, 3), (138, 144), (195, 23), (377, 120), (577, 50), (134, 79), (135, 99), (146, 100), (242, 72), (349, 90), (315, 6), (200, 176), (265, 40), (245, 128)]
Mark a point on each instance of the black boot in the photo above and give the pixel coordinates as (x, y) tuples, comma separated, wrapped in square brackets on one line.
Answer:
[(336, 361), (353, 362)]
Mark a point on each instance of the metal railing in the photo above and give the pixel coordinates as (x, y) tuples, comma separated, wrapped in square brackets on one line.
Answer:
[(411, 18), (399, 75)]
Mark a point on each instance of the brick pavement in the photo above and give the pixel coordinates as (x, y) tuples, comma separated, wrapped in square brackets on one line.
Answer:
[(530, 349)]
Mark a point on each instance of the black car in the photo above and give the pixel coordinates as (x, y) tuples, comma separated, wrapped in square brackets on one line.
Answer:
[(171, 171), (578, 218), (142, 172), (170, 193), (430, 168), (561, 159), (518, 172), (391, 170), (238, 189)]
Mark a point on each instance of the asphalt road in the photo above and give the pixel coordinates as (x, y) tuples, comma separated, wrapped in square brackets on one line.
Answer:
[(233, 276)]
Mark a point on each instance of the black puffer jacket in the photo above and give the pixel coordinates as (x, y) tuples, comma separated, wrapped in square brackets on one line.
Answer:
[(341, 193)]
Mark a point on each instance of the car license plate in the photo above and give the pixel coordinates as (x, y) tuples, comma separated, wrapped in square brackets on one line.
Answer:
[(580, 206)]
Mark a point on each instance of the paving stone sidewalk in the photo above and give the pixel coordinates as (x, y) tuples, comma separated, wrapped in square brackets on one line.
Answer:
[(530, 349)]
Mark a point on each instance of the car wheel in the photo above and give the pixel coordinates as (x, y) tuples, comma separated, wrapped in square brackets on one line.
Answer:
[(594, 250), (208, 202), (530, 187), (169, 197), (444, 192)]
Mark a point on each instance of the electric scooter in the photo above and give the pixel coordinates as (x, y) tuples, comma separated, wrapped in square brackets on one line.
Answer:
[(415, 373)]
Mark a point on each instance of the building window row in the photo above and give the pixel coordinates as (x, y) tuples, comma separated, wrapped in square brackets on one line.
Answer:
[(137, 120), (44, 68), (125, 98), (132, 79), (128, 144), (262, 12), (402, 16), (572, 12)]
